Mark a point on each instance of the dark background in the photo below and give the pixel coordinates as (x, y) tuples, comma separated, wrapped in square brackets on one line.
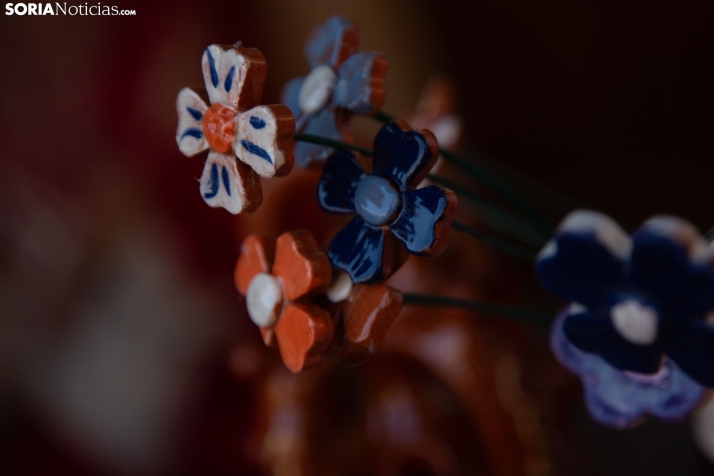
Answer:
[(608, 102)]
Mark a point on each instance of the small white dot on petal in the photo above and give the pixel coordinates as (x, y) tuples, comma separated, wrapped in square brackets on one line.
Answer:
[(340, 288), (548, 251), (607, 232), (264, 300), (635, 322), (317, 89)]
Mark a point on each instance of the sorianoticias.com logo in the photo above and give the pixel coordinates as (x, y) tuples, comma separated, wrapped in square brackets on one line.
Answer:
[(58, 8)]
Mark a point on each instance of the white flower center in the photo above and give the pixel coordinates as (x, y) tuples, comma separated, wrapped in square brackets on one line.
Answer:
[(635, 322), (264, 300), (316, 90), (340, 288)]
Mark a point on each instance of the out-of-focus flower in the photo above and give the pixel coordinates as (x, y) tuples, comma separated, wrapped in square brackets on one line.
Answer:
[(435, 111), (341, 82), (619, 398), (388, 207), (261, 137), (636, 299)]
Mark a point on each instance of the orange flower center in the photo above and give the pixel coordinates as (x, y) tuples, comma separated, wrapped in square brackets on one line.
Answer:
[(219, 127)]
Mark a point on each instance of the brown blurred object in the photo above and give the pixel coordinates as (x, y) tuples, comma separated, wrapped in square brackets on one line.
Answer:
[(442, 397), (435, 111)]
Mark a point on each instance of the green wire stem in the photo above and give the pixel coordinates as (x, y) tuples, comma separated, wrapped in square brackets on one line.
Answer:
[(534, 191), (539, 318), (489, 180), (319, 140), (494, 242), (494, 215)]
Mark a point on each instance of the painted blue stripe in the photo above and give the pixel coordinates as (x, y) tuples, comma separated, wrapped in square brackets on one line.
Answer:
[(229, 79), (257, 122), (257, 150), (213, 184), (195, 113), (192, 132), (226, 182), (212, 64)]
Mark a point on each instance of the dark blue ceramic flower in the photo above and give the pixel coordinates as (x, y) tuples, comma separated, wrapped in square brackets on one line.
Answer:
[(341, 82), (639, 299), (621, 399), (389, 208)]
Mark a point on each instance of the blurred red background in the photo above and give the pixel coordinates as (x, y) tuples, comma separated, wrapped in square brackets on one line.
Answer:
[(118, 309)]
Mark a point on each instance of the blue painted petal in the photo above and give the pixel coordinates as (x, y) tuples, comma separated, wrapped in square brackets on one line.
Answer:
[(229, 79), (415, 224), (192, 132), (289, 95), (195, 113), (257, 122), (323, 124), (577, 267), (595, 334), (357, 249), (213, 184), (226, 180), (326, 41), (256, 150), (357, 81), (692, 349), (212, 65), (660, 266), (405, 157), (620, 399), (340, 176), (701, 292)]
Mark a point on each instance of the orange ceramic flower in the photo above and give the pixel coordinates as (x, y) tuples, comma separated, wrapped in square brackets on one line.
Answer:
[(362, 319), (277, 278)]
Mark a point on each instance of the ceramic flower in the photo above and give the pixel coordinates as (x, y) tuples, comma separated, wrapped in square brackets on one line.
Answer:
[(234, 126), (341, 82), (365, 313), (277, 279), (435, 111), (620, 399), (639, 299), (390, 213)]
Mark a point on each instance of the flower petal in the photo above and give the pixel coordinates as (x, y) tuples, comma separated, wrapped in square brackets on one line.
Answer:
[(303, 332), (701, 292), (300, 265), (404, 155), (289, 95), (424, 222), (256, 256), (595, 334), (234, 76), (230, 184), (337, 185), (358, 249), (189, 135), (360, 83), (585, 260), (332, 42), (264, 140), (661, 261), (693, 350), (368, 313), (324, 124), (620, 399)]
